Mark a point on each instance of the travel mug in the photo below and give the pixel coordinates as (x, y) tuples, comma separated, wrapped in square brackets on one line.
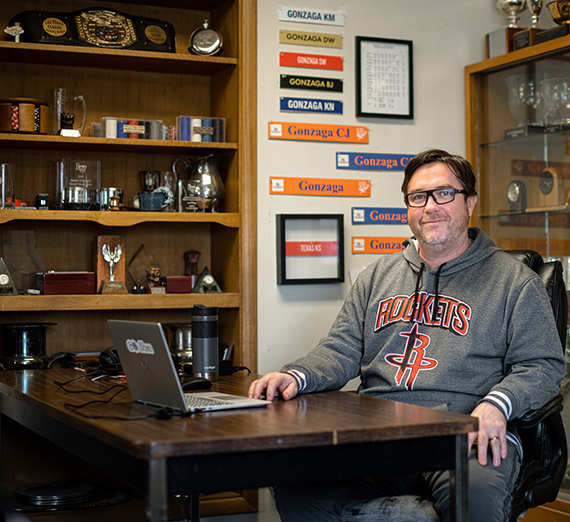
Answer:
[(205, 341)]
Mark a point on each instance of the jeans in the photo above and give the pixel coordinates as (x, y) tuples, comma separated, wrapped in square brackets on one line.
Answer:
[(490, 492)]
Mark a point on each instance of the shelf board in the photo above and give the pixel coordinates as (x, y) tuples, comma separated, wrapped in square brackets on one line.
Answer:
[(520, 56), (54, 142), (119, 218), (534, 143), (122, 59), (62, 303), (528, 211)]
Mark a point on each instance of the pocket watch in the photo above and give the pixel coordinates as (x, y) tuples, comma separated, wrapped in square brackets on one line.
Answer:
[(206, 41)]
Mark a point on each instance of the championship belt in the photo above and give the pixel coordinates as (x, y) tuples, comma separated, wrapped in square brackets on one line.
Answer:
[(97, 27)]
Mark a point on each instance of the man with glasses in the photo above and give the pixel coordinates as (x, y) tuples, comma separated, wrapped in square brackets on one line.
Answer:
[(451, 322)]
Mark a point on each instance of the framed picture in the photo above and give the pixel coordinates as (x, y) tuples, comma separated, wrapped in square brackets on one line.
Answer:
[(384, 78), (310, 249)]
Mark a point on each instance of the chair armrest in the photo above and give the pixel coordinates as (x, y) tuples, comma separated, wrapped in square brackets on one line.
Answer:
[(535, 417)]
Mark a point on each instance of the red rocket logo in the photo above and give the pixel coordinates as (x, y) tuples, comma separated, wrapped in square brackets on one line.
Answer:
[(413, 360)]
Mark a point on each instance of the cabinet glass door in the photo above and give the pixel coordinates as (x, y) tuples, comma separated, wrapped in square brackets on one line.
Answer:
[(518, 139)]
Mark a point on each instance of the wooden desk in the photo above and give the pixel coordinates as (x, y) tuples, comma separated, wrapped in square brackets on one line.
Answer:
[(318, 437)]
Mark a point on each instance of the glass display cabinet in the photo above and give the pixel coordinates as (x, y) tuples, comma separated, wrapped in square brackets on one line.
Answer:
[(518, 140)]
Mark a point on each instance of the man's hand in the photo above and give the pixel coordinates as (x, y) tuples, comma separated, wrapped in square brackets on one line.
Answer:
[(275, 383), (492, 432)]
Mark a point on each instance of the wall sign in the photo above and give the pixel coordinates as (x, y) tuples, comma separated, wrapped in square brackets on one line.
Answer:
[(379, 216), (377, 245), (310, 248), (315, 39), (319, 187), (312, 61), (311, 16), (384, 79), (310, 105), (311, 83), (371, 161), (281, 130)]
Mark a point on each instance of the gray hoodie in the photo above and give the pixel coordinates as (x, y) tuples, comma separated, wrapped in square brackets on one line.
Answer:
[(492, 338)]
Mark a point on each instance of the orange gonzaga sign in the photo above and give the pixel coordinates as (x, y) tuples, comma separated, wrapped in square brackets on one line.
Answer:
[(312, 61), (377, 245), (281, 130), (320, 187)]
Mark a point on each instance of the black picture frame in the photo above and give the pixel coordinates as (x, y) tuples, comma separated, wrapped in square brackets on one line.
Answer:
[(384, 90), (310, 249)]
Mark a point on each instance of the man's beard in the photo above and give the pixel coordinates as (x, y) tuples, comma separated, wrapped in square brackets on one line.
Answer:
[(440, 240)]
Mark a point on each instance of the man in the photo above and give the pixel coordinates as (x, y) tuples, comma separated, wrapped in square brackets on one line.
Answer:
[(451, 322)]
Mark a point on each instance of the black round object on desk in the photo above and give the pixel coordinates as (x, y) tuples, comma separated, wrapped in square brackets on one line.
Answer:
[(23, 345)]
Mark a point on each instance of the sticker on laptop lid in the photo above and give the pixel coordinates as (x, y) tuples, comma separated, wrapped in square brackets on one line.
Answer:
[(139, 347)]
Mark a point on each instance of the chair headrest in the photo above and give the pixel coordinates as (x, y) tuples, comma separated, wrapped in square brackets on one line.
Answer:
[(551, 273)]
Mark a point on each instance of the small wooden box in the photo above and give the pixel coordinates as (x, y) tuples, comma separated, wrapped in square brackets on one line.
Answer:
[(63, 283), (179, 284)]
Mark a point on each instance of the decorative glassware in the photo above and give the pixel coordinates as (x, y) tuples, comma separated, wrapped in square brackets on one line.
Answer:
[(205, 172), (525, 99), (556, 92)]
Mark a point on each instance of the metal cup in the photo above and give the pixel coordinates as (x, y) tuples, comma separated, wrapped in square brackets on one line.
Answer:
[(7, 181)]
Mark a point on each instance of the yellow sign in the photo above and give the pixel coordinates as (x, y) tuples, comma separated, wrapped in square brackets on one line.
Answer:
[(314, 39)]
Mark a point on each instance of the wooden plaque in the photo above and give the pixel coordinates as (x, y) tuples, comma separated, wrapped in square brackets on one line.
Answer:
[(102, 267)]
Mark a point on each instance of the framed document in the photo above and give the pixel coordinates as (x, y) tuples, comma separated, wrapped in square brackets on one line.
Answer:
[(384, 78), (310, 249)]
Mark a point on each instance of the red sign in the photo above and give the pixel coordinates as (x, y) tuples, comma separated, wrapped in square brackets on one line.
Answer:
[(311, 248), (312, 61)]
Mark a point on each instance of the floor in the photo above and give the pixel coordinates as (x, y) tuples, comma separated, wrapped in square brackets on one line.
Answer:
[(267, 511)]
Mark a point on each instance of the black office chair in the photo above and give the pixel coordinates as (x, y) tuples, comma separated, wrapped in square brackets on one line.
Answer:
[(541, 432)]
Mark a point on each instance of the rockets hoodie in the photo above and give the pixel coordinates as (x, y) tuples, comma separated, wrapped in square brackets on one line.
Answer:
[(477, 328)]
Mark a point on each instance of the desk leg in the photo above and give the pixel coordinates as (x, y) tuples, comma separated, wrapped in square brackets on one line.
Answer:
[(459, 482), (156, 497)]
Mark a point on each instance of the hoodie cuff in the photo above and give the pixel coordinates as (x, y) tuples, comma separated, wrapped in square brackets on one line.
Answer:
[(501, 401), (299, 377)]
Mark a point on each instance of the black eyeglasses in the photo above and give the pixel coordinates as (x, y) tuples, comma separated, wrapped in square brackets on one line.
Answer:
[(440, 196)]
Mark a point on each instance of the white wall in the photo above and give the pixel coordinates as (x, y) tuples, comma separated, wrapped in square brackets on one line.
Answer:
[(447, 35)]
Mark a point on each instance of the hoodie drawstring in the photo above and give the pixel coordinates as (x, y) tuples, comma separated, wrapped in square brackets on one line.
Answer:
[(415, 302), (436, 296)]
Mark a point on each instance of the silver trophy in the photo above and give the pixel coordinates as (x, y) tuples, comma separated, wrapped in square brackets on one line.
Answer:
[(535, 7), (111, 258), (512, 8)]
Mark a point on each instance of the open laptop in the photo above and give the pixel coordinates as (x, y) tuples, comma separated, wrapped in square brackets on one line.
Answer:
[(151, 375)]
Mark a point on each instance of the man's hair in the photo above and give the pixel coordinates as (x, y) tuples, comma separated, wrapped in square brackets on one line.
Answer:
[(458, 165)]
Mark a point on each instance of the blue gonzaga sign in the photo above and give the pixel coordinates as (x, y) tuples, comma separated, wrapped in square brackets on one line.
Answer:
[(379, 216), (311, 105), (371, 161)]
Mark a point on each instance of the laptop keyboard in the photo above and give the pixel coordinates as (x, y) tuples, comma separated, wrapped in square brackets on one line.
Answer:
[(192, 401)]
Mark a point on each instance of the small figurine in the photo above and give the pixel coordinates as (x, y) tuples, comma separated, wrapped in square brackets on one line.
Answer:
[(15, 31)]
